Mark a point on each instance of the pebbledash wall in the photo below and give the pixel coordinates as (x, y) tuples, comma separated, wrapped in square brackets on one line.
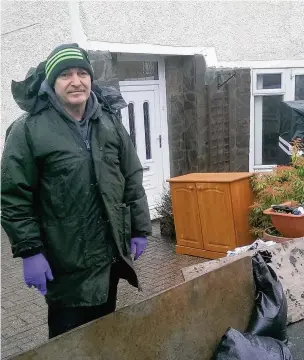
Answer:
[(204, 44), (29, 31)]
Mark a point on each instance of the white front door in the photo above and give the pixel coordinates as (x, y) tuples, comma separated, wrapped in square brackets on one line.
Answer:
[(143, 122)]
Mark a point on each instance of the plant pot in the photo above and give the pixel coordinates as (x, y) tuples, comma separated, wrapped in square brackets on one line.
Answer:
[(289, 225), (275, 238)]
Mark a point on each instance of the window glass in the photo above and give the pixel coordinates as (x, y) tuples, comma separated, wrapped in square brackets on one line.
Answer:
[(299, 87), (267, 129), (137, 70), (147, 130), (269, 81), (132, 123)]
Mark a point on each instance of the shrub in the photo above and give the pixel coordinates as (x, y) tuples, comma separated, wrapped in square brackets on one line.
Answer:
[(165, 213), (284, 183)]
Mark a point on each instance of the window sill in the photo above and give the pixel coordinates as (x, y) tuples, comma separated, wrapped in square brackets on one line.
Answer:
[(263, 168)]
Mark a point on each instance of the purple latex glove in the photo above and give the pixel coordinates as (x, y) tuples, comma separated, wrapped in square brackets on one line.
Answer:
[(36, 270), (138, 246)]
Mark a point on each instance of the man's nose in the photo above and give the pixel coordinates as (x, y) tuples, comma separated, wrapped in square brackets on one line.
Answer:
[(75, 81)]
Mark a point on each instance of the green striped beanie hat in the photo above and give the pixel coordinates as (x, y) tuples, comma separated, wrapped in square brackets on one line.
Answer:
[(64, 57)]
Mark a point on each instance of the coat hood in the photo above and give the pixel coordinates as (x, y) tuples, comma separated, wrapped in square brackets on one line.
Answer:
[(297, 105), (29, 97)]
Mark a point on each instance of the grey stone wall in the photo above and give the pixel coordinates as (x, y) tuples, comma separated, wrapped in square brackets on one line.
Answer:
[(228, 119), (208, 126), (241, 95), (175, 106), (185, 85), (105, 68)]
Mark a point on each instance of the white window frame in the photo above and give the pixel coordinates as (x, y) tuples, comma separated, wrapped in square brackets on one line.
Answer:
[(142, 57), (264, 92), (287, 90), (294, 73)]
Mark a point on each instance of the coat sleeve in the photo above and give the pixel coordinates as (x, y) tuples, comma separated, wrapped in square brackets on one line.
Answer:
[(134, 193), (19, 178)]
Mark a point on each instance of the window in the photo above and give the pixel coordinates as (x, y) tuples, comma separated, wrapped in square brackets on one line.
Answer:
[(269, 88), (267, 131), (137, 70), (268, 91), (269, 81), (299, 87)]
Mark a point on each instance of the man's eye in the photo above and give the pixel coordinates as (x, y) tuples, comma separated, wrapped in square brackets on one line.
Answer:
[(64, 75), (83, 73)]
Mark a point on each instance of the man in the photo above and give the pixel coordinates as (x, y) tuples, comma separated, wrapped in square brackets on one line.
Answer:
[(73, 203)]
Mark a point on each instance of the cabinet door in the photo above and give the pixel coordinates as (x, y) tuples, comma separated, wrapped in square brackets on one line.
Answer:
[(186, 217), (216, 216)]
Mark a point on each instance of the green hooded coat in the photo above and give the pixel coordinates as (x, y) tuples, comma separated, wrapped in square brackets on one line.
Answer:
[(79, 208)]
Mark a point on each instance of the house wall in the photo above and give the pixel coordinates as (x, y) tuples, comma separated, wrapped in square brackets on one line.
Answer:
[(29, 31), (238, 30)]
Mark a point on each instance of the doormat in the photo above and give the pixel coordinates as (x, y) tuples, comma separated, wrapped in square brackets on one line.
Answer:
[(288, 263)]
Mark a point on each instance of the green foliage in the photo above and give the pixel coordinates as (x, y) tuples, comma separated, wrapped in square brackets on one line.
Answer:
[(284, 183)]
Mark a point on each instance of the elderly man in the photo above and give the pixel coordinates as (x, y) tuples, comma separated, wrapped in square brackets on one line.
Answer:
[(73, 203)]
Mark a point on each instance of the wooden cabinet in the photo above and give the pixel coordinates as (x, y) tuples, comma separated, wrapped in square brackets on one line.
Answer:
[(190, 235), (211, 212)]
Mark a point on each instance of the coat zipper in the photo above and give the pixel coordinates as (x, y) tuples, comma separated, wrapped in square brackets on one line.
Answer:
[(87, 144)]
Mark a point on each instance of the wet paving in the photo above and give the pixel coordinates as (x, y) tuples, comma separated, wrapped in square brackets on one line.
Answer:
[(24, 312)]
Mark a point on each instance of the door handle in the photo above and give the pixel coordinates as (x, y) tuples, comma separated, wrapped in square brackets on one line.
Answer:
[(146, 168), (160, 140)]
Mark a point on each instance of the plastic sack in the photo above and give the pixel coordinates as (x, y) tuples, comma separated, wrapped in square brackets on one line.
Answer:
[(269, 316), (237, 346), (111, 95), (254, 246)]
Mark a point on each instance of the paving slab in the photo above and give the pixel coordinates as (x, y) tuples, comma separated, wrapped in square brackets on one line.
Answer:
[(24, 312)]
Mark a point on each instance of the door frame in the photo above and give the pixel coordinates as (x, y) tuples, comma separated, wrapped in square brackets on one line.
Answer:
[(165, 158)]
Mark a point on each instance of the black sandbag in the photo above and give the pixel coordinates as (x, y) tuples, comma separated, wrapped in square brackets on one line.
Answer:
[(269, 316), (237, 346)]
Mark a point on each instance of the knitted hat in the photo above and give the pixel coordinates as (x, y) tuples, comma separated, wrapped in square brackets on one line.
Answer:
[(64, 57)]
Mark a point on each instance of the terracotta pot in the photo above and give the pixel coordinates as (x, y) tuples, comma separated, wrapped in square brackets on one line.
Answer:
[(289, 225), (275, 238)]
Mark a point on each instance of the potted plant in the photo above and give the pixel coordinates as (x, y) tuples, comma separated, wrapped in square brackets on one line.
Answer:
[(283, 184), (287, 224)]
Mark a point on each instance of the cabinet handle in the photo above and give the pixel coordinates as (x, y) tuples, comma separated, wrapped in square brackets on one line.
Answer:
[(190, 187)]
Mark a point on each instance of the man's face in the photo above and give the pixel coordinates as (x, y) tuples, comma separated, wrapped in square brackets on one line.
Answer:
[(73, 86)]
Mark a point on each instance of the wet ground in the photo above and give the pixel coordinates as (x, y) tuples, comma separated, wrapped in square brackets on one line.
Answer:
[(296, 340), (24, 312)]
